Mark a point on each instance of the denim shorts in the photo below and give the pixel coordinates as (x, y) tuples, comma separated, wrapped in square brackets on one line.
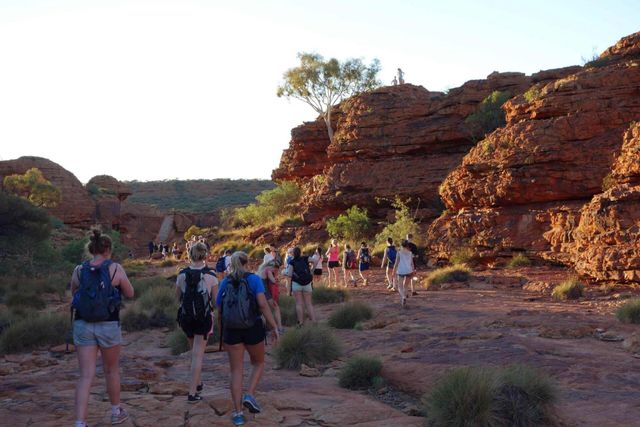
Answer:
[(297, 287), (101, 334)]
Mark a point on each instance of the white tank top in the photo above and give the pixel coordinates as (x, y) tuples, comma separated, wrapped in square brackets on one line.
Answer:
[(405, 264)]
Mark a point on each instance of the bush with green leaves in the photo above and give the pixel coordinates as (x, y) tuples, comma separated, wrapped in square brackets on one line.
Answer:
[(360, 372), (287, 306), (520, 260), (489, 115), (354, 225), (34, 332), (142, 285), (309, 345), (569, 289), (629, 312), (27, 300), (404, 223), (513, 396), (325, 295), (177, 341), (464, 256), (347, 316), (270, 204), (454, 273)]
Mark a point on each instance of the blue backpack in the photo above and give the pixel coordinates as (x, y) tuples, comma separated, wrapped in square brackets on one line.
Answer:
[(96, 300), (391, 254), (239, 308), (221, 264)]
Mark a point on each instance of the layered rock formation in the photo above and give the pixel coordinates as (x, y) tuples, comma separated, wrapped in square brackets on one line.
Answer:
[(521, 189), (394, 141)]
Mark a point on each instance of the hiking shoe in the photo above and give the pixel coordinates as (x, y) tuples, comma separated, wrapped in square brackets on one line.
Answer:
[(120, 417), (200, 387), (237, 418), (250, 403), (193, 398), (414, 293)]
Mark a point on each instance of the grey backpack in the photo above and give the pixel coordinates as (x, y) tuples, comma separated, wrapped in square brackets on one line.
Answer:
[(239, 306)]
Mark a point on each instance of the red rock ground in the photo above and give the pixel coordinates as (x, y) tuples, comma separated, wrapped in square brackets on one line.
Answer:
[(489, 322)]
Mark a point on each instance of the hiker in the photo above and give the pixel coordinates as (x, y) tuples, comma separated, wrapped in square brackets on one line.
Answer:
[(301, 285), (316, 261), (151, 247), (241, 299), (175, 251), (268, 272), (394, 81), (400, 76), (388, 261), (97, 286), (221, 266), (349, 263), (404, 269), (268, 254), (195, 286), (414, 253), (227, 261), (333, 255), (287, 270), (364, 259)]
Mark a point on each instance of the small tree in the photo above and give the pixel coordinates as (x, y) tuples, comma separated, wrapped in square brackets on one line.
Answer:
[(404, 224), (353, 225), (323, 84), (489, 116), (34, 187)]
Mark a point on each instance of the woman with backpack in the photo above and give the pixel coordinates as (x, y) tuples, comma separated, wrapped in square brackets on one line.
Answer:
[(195, 287), (316, 261), (333, 255), (301, 285), (268, 272), (388, 261), (97, 286), (241, 301), (364, 259), (349, 263), (404, 268)]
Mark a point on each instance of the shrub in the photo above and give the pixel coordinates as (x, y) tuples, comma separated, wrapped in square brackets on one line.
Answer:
[(532, 94), (519, 260), (349, 314), (27, 300), (177, 342), (287, 306), (325, 295), (160, 303), (309, 345), (168, 263), (359, 372), (75, 252), (141, 286), (404, 224), (455, 273), (34, 332), (608, 181), (489, 116), (353, 225), (629, 312), (569, 289), (282, 200), (133, 318), (464, 256)]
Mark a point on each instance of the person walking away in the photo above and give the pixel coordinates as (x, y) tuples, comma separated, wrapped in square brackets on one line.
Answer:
[(333, 255), (364, 259), (268, 254), (151, 247), (221, 266), (227, 261), (287, 270), (414, 254), (316, 261), (97, 287), (404, 269), (268, 273), (175, 251), (195, 287), (349, 263), (301, 286), (241, 300), (388, 261)]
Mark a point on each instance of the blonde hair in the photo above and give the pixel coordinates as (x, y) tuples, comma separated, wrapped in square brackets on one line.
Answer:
[(238, 264), (198, 252), (99, 243)]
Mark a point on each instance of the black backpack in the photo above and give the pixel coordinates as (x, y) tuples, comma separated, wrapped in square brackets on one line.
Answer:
[(221, 264), (195, 304), (239, 308), (365, 258), (301, 272)]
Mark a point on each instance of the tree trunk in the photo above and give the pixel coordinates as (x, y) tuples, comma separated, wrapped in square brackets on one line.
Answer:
[(327, 121)]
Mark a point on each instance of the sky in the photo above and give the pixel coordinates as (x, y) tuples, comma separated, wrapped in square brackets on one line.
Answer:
[(155, 89)]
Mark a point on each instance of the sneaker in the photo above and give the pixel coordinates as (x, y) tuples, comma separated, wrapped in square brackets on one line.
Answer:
[(120, 417), (237, 418), (194, 398), (200, 387), (250, 403), (414, 293)]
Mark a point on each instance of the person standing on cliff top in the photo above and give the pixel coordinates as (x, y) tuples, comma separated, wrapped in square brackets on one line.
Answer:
[(400, 76), (394, 81)]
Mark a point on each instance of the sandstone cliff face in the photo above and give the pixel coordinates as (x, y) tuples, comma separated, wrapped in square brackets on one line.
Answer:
[(76, 207), (521, 189), (394, 141)]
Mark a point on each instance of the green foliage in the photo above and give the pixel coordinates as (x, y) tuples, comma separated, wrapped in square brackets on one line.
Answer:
[(353, 225), (33, 186), (569, 289), (194, 230), (597, 62), (26, 300), (177, 342), (532, 94), (21, 223), (629, 312), (287, 306), (33, 332), (404, 224), (514, 396), (309, 345), (270, 204), (608, 182), (455, 273), (155, 306), (359, 372), (347, 316), (160, 300), (200, 195), (489, 116), (325, 295), (75, 251), (464, 256), (519, 260)]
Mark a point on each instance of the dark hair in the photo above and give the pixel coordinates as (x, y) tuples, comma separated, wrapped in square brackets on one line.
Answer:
[(405, 244), (297, 252), (319, 249), (348, 246), (390, 240), (98, 242), (228, 252), (363, 244)]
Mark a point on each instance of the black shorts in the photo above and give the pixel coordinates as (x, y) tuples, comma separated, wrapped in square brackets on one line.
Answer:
[(334, 264), (192, 328), (317, 272), (252, 336)]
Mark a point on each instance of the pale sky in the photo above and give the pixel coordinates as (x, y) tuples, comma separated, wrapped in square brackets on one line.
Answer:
[(186, 89)]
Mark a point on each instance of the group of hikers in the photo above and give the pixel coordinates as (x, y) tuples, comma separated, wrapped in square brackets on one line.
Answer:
[(246, 303), (163, 249)]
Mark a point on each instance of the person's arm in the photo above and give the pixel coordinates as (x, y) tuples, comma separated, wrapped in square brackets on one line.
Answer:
[(270, 276), (395, 265), (75, 281), (178, 287), (121, 280), (359, 256), (266, 312)]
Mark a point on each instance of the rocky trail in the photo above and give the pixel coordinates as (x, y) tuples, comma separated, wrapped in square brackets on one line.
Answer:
[(493, 321)]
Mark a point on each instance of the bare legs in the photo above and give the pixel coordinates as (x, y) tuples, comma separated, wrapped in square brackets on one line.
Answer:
[(332, 273), (306, 296), (364, 274), (402, 289), (198, 345), (276, 312), (344, 270), (236, 356), (87, 356)]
